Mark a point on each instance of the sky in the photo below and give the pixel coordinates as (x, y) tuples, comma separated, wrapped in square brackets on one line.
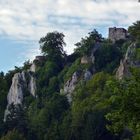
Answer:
[(24, 22)]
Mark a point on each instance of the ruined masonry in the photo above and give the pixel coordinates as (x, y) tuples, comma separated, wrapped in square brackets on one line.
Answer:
[(117, 34)]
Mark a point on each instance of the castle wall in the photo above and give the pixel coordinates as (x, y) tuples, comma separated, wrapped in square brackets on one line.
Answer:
[(117, 34)]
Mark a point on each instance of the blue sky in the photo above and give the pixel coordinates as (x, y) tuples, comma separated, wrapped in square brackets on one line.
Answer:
[(24, 22)]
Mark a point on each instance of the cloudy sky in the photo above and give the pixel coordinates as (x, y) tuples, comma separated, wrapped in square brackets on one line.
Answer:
[(24, 22)]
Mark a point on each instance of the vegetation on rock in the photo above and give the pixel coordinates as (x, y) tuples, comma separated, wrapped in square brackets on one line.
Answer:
[(102, 108)]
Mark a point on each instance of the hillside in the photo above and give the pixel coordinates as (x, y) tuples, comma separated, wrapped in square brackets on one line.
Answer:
[(92, 94)]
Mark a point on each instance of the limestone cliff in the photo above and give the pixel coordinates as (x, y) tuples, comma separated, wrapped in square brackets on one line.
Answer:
[(15, 94), (128, 61), (23, 83), (85, 75), (71, 84)]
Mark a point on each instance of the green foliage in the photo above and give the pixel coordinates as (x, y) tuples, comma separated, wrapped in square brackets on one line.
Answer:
[(44, 74), (74, 67), (126, 106), (137, 56), (87, 43), (3, 100), (16, 118), (45, 120), (53, 85), (13, 135), (26, 65), (134, 30), (88, 110), (107, 57), (52, 46), (102, 108)]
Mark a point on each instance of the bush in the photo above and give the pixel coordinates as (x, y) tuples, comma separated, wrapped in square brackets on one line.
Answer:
[(13, 135)]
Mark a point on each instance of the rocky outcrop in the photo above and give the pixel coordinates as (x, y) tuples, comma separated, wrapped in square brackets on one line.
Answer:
[(33, 67), (85, 60), (91, 59), (122, 70), (32, 82), (23, 83), (96, 47), (32, 85), (15, 94), (70, 85), (128, 61), (87, 75)]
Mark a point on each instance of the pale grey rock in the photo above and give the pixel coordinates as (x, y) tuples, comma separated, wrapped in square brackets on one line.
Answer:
[(95, 48), (15, 94), (87, 75), (123, 70), (70, 86), (92, 58), (33, 67), (7, 112), (32, 85), (85, 60), (21, 83)]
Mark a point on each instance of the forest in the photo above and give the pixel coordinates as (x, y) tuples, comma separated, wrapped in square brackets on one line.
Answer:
[(98, 105)]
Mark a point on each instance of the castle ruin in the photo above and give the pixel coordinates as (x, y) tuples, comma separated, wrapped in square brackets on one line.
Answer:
[(117, 34)]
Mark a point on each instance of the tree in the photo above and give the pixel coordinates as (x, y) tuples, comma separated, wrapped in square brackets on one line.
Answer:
[(125, 111), (13, 135), (87, 43), (26, 65), (107, 57), (45, 121), (3, 100), (52, 45), (16, 118), (134, 30)]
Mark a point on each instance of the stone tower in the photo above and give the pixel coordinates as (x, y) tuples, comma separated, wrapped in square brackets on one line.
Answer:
[(117, 34)]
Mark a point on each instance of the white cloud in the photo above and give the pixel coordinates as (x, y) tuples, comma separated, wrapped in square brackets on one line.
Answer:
[(28, 20)]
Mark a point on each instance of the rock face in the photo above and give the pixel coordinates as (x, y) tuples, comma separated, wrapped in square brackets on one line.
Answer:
[(85, 60), (96, 47), (15, 94), (22, 84), (128, 61), (32, 85), (122, 70), (91, 59), (70, 85), (117, 34), (87, 75), (32, 82), (33, 67)]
